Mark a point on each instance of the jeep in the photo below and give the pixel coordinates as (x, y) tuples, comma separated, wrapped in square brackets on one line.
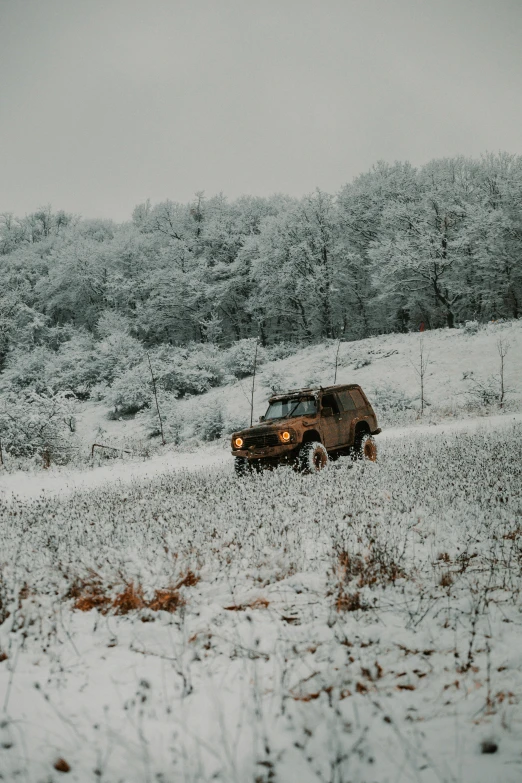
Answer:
[(308, 427)]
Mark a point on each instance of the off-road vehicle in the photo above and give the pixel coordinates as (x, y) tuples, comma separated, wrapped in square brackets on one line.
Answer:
[(307, 427)]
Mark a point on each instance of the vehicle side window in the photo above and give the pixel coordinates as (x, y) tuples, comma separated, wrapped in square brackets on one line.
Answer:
[(329, 401), (346, 401), (358, 399)]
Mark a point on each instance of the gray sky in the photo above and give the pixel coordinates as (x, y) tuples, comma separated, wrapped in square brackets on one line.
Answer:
[(104, 103)]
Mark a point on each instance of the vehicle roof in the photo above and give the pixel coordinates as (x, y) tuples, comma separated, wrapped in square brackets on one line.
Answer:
[(312, 390)]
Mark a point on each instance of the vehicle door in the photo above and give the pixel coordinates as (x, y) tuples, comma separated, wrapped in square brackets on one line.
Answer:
[(331, 421), (349, 415)]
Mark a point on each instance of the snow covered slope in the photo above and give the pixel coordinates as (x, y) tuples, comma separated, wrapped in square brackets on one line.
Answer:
[(455, 358)]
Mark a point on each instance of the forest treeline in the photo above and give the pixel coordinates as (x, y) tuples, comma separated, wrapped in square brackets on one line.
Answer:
[(397, 246)]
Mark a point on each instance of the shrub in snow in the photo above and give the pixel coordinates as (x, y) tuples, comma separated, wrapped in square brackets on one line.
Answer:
[(273, 381), (280, 351), (362, 361), (111, 322), (235, 421), (239, 358), (483, 392), (171, 418), (34, 424), (388, 398), (209, 420), (131, 391), (191, 370), (78, 364), (471, 327)]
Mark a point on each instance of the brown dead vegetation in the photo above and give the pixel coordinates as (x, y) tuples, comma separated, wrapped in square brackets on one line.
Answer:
[(90, 593), (168, 600), (129, 600), (257, 603), (376, 567), (348, 602), (513, 534), (61, 765), (446, 579)]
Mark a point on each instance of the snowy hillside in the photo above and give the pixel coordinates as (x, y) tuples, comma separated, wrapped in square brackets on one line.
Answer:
[(384, 366)]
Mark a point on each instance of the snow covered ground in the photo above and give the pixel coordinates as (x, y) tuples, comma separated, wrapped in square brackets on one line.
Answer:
[(60, 480), (162, 620), (363, 624)]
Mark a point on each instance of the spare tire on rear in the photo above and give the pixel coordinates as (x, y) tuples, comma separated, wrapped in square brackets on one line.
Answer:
[(313, 457)]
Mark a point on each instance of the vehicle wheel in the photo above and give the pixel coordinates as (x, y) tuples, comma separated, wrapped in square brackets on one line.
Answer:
[(366, 448), (313, 457), (241, 466)]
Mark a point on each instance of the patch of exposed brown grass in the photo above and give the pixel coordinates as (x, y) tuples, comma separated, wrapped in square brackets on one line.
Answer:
[(348, 602), (377, 567), (129, 600), (446, 579), (90, 593), (168, 600), (257, 603)]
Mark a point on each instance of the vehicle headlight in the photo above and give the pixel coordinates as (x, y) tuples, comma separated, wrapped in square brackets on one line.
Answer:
[(286, 436), (238, 442)]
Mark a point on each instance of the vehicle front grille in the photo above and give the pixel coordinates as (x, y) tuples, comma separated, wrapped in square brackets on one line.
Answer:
[(259, 441)]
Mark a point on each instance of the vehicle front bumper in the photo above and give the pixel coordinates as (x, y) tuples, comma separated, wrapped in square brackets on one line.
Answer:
[(267, 452)]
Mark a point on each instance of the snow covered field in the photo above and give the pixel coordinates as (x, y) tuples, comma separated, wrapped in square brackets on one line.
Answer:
[(363, 624), (161, 620)]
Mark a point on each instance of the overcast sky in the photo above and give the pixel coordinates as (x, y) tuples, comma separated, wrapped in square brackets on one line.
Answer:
[(104, 103)]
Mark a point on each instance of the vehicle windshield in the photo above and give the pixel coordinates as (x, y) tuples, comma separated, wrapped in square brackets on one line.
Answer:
[(282, 409)]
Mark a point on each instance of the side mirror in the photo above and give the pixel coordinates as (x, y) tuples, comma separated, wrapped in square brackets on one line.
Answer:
[(261, 418), (327, 412)]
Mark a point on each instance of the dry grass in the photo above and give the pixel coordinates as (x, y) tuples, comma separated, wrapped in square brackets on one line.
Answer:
[(130, 599), (377, 567), (90, 593), (348, 602), (257, 603)]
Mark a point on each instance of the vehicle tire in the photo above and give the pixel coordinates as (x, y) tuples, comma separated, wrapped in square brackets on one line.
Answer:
[(365, 447), (313, 457), (241, 466)]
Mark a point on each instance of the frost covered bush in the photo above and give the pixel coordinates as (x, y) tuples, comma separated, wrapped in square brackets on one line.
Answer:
[(388, 398), (234, 421), (239, 358), (281, 350), (34, 424), (209, 420), (79, 364), (171, 417), (471, 327), (131, 391), (362, 361), (483, 392), (274, 381), (392, 405), (191, 370)]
